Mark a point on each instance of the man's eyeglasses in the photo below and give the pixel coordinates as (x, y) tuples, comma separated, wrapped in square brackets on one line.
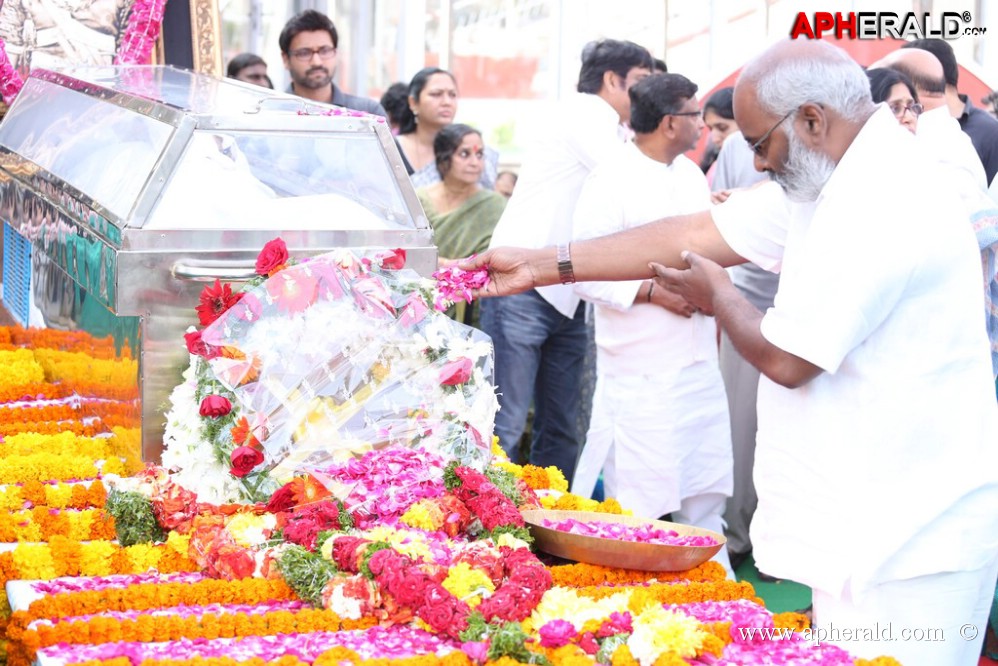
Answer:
[(898, 108), (304, 55), (757, 146), (684, 113)]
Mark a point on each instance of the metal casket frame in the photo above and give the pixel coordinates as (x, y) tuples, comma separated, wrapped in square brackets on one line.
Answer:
[(137, 185)]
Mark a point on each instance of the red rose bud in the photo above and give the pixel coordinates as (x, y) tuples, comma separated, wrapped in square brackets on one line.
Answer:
[(456, 372), (393, 260), (273, 257), (214, 406), (198, 347), (244, 459)]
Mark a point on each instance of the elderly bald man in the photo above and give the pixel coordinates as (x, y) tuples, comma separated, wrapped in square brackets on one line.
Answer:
[(876, 468)]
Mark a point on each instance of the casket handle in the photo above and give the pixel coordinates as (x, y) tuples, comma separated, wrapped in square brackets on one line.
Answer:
[(228, 271)]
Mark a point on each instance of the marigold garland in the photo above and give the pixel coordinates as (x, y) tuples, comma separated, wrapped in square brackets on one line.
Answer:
[(148, 596), (52, 467), (28, 443), (50, 338), (62, 365), (588, 575), (42, 523), (675, 593), (147, 628), (60, 495), (65, 557)]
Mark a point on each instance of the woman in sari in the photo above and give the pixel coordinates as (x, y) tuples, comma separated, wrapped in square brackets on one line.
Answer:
[(461, 212)]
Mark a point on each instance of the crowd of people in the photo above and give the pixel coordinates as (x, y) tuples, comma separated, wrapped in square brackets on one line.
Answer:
[(788, 335)]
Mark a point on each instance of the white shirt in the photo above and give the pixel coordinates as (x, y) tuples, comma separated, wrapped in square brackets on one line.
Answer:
[(628, 190), (885, 466), (660, 430), (941, 133), (539, 214)]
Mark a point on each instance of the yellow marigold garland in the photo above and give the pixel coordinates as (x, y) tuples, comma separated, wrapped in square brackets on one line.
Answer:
[(62, 365), (42, 523), (56, 467), (90, 495), (65, 557), (20, 368)]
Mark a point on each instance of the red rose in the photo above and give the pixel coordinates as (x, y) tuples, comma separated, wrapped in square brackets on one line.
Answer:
[(474, 480), (344, 552), (386, 559), (442, 614), (244, 459), (520, 557), (198, 347), (283, 499), (456, 372), (393, 260), (588, 643), (214, 406), (272, 257), (215, 300), (500, 605), (535, 578), (411, 588)]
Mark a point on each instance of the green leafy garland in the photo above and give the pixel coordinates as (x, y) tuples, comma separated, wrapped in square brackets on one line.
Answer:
[(134, 519)]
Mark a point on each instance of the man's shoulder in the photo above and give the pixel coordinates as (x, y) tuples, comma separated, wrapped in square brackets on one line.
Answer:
[(357, 103)]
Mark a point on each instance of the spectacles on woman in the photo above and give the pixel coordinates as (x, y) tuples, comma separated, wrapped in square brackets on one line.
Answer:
[(898, 108)]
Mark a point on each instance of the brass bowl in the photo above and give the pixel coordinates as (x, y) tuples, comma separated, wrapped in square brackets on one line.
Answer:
[(619, 554)]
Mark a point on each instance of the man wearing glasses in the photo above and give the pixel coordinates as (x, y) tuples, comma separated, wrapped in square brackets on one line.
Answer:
[(308, 47), (876, 468)]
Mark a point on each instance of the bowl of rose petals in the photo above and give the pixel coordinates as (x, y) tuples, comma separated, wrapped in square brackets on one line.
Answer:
[(627, 542)]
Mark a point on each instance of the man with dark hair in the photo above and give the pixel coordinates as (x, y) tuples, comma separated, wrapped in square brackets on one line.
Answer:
[(659, 432), (541, 336), (979, 125), (309, 42), (396, 101)]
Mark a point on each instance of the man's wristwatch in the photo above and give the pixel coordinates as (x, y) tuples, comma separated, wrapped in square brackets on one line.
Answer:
[(566, 273)]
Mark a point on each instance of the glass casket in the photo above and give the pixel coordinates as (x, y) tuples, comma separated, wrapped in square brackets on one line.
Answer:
[(138, 185)]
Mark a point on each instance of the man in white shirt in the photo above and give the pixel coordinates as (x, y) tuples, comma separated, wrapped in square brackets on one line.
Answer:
[(940, 134), (659, 430), (540, 337), (876, 466)]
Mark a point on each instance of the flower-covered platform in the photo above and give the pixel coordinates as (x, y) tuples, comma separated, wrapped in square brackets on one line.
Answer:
[(405, 545)]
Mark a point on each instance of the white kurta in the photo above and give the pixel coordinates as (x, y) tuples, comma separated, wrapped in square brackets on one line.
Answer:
[(584, 133), (659, 428), (885, 466)]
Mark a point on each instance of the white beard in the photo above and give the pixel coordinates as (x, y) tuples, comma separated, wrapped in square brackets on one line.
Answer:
[(805, 172)]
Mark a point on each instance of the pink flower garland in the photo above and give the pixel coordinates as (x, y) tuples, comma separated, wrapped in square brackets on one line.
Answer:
[(10, 80), (144, 22)]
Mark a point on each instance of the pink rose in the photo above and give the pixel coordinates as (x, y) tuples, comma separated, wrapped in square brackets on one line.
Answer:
[(456, 372), (556, 633), (272, 257), (244, 459), (214, 406)]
